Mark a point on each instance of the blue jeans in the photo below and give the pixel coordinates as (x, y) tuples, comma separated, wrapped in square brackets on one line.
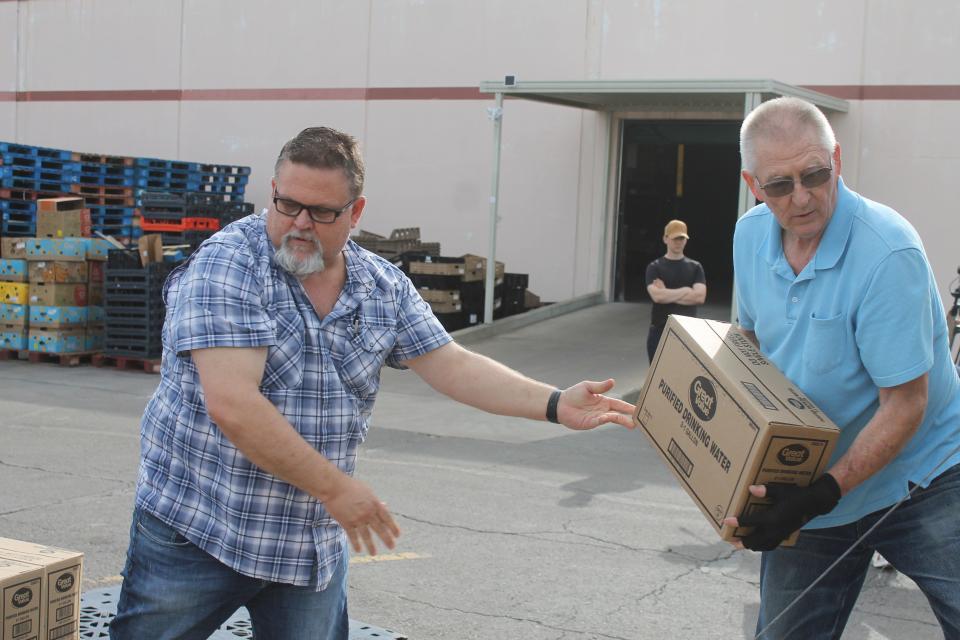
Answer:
[(172, 589), (921, 539)]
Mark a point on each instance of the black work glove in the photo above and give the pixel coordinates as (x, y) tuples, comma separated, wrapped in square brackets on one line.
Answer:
[(792, 507)]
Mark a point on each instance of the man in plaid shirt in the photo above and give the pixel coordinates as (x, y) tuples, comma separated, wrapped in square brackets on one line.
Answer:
[(276, 331)]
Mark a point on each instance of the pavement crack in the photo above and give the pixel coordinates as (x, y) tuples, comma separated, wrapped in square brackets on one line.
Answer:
[(56, 503), (484, 614), (59, 472)]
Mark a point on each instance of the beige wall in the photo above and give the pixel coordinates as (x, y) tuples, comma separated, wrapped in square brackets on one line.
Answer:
[(429, 161)]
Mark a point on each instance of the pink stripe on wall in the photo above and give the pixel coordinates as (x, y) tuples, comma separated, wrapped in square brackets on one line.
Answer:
[(306, 93), (890, 91), (847, 92)]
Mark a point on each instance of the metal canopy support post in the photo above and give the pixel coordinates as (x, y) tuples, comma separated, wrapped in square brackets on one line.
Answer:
[(750, 102), (496, 114)]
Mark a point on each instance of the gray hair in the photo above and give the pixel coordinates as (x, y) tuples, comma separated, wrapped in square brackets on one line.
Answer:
[(326, 148), (780, 119)]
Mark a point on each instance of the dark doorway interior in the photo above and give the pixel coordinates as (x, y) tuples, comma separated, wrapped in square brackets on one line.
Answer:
[(678, 169)]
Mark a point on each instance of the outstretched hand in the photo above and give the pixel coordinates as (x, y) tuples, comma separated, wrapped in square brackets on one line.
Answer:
[(583, 406), (362, 516)]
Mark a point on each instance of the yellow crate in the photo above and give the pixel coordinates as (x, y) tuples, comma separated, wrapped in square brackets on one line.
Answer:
[(14, 292)]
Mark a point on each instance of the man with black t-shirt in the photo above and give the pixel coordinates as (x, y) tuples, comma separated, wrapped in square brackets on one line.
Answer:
[(676, 283)]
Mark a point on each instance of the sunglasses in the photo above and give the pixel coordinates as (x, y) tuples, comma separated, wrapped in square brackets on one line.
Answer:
[(323, 215), (785, 186)]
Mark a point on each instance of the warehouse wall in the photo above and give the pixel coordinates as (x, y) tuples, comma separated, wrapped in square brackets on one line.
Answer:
[(228, 81)]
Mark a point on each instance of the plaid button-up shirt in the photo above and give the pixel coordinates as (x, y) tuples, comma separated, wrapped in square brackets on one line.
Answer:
[(322, 374)]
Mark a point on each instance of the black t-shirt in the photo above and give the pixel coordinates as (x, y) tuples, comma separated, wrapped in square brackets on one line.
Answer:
[(675, 274)]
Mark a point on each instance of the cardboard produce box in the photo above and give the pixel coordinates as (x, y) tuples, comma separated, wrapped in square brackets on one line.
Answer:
[(56, 271), (62, 572), (722, 417), (14, 314), (13, 336), (12, 270), (58, 295), (13, 248), (14, 293), (63, 224), (62, 340), (21, 586)]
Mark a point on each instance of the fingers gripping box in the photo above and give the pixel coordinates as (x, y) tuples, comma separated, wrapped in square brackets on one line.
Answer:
[(722, 417)]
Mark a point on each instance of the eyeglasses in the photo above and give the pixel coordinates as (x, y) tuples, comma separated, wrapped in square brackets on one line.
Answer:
[(323, 215), (785, 186)]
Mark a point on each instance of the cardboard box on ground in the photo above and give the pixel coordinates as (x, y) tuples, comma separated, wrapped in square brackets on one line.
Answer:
[(723, 417), (41, 591)]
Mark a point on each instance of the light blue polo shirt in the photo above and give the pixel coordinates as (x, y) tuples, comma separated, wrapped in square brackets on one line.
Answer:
[(864, 313)]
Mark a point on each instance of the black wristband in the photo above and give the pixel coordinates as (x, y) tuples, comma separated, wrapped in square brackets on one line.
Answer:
[(552, 406)]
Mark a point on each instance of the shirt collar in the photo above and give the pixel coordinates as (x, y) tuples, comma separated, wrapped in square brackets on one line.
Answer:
[(832, 244)]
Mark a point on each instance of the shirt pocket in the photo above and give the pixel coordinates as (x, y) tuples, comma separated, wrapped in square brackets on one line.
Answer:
[(826, 343), (365, 354), (284, 366)]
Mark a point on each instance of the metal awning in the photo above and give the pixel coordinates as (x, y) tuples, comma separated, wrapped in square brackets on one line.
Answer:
[(658, 95), (732, 99)]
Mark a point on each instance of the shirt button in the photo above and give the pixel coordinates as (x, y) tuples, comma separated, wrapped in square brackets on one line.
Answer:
[(795, 299)]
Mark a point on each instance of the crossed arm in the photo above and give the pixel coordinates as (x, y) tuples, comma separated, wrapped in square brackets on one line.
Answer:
[(693, 295)]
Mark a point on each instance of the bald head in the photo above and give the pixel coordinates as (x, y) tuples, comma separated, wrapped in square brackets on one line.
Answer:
[(781, 120)]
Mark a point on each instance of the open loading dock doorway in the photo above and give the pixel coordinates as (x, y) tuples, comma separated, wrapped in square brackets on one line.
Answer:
[(677, 169)]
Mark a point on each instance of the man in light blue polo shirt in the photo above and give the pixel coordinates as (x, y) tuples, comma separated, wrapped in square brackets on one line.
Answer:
[(837, 291)]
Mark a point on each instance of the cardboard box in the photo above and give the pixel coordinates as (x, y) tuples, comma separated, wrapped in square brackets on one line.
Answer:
[(95, 293), (97, 248), (95, 271), (13, 248), (53, 205), (61, 585), (13, 314), (71, 340), (63, 224), (72, 249), (94, 340), (13, 337), (21, 586), (440, 295), (14, 293), (446, 307), (722, 417), (56, 271), (58, 295), (475, 268), (56, 317), (12, 270)]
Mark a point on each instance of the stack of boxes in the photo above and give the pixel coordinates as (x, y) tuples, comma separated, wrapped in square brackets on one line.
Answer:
[(63, 286), (14, 294), (41, 591), (454, 287)]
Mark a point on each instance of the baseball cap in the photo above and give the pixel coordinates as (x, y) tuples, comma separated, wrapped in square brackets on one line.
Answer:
[(676, 228)]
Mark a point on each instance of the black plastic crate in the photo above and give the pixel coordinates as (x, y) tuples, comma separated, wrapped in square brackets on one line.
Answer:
[(516, 280), (472, 294)]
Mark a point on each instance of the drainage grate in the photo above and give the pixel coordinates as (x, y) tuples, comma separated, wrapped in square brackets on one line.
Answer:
[(98, 607)]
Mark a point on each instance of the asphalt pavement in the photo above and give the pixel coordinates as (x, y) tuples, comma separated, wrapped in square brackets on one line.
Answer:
[(512, 529)]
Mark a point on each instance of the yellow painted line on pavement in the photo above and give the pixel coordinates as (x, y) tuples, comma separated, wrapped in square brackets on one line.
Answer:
[(388, 557)]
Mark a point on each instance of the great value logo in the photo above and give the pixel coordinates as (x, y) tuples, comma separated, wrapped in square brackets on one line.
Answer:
[(703, 398), (64, 582), (793, 455), (22, 597)]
